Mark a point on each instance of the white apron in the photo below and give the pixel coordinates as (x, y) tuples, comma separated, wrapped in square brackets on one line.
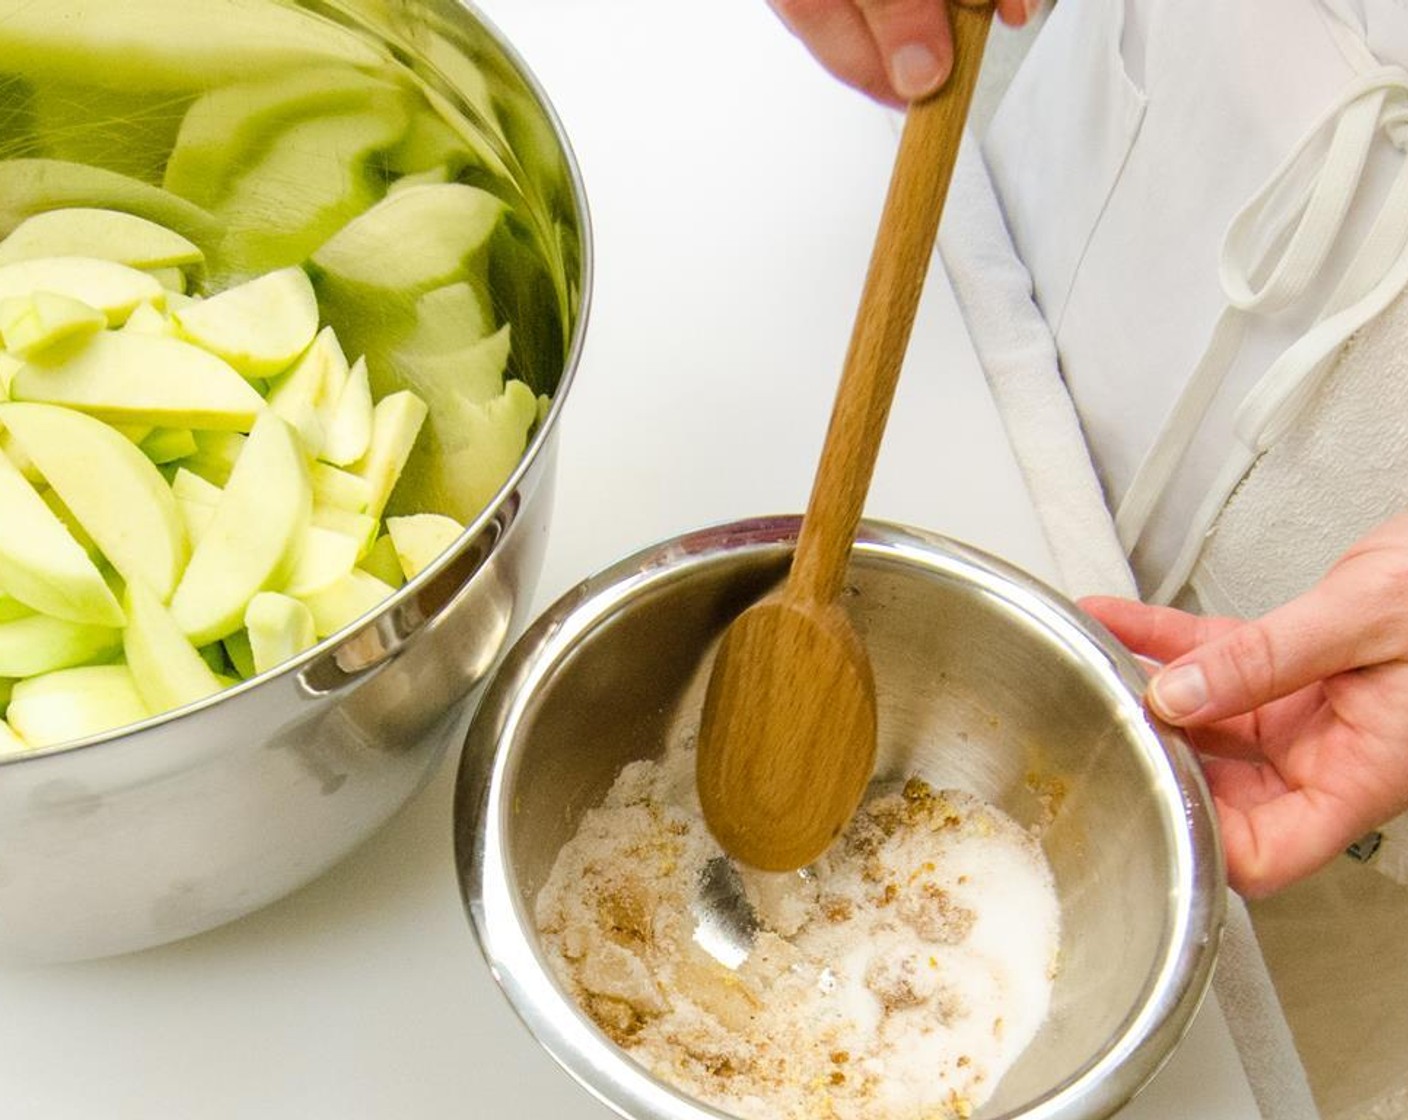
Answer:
[(1212, 198)]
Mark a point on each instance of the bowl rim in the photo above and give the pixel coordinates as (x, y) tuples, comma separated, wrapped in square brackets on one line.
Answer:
[(484, 523), (1145, 1039)]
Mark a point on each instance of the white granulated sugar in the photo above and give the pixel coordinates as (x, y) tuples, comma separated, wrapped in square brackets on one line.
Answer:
[(896, 979)]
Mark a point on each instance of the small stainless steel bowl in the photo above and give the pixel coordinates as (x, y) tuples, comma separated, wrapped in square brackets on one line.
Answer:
[(201, 815), (987, 681)]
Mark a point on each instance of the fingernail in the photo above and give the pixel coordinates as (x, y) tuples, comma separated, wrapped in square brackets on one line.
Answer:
[(1180, 692), (915, 71)]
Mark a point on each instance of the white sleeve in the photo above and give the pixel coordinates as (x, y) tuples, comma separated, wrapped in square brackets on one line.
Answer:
[(1018, 355)]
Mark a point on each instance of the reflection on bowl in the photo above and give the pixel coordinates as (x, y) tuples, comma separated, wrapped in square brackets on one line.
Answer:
[(987, 682)]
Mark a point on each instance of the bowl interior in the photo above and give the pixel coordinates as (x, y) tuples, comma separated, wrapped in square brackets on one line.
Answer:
[(985, 682)]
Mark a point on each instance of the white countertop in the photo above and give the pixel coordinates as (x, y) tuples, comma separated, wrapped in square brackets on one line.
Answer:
[(734, 190)]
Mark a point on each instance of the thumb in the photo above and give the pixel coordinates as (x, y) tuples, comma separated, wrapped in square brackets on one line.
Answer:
[(1253, 663)]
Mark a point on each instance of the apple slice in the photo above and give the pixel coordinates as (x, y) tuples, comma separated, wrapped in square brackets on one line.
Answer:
[(115, 492), (10, 743), (324, 557), (114, 289), (251, 543), (189, 486), (9, 366), (146, 319), (143, 379), (29, 324), (258, 327), (279, 627), (11, 608), (166, 445), (40, 643), (346, 600), (381, 561), (74, 703), (169, 672), (216, 455), (333, 486), (419, 538), (307, 394), (240, 653), (349, 429), (86, 231), (359, 526), (396, 422), (41, 565)]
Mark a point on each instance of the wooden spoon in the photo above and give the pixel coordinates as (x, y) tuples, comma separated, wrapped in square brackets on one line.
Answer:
[(787, 735)]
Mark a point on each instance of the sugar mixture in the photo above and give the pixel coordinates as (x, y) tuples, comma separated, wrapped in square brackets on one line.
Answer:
[(896, 979)]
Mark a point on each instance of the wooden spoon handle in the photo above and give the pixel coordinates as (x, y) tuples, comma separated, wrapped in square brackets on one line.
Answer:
[(898, 264)]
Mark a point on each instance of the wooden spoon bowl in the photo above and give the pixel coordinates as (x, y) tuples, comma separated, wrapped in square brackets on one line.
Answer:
[(788, 731)]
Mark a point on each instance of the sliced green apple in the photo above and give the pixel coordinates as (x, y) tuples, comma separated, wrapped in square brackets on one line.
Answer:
[(115, 492), (88, 231), (345, 601), (216, 455), (172, 279), (324, 557), (114, 289), (279, 627), (381, 561), (143, 379), (74, 703), (10, 743), (396, 422), (349, 428), (41, 565), (189, 486), (11, 609), (146, 319), (166, 445), (335, 487), (240, 653), (419, 538), (40, 643), (258, 327), (169, 671), (306, 395), (251, 543), (359, 526), (9, 366), (29, 324)]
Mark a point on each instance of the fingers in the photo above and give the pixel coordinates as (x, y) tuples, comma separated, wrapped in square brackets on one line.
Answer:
[(840, 39), (894, 50), (1341, 624), (1161, 633)]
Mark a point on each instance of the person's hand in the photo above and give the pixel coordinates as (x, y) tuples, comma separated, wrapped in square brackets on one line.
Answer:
[(894, 50), (1300, 717)]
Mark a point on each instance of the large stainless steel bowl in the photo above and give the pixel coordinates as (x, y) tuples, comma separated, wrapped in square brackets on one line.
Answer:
[(199, 816), (987, 681)]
